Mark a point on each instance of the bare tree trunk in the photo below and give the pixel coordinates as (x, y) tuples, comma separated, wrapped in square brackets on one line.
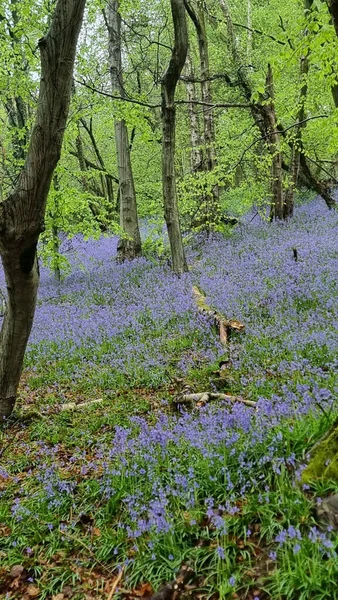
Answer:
[(168, 113), (197, 17), (297, 145), (22, 213), (196, 158), (129, 247), (273, 141), (55, 232)]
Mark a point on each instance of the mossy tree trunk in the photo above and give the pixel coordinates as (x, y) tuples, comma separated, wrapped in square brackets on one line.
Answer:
[(129, 246)]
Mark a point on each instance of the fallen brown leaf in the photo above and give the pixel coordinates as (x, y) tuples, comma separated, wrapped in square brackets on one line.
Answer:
[(32, 591), (16, 571), (144, 590)]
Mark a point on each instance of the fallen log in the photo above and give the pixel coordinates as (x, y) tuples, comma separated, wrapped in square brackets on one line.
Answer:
[(202, 398), (73, 405), (224, 326)]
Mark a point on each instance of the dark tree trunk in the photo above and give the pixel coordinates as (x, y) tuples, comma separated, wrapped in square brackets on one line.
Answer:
[(333, 8), (168, 87), (22, 213), (129, 246)]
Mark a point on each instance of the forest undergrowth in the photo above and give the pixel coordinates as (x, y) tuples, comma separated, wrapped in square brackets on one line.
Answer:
[(129, 488)]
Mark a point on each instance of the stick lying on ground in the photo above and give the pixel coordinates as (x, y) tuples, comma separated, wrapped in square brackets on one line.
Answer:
[(203, 397), (224, 326), (73, 405)]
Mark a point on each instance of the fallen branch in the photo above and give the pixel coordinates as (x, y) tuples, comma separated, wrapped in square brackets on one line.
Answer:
[(204, 397), (171, 591), (225, 326), (115, 584), (73, 405)]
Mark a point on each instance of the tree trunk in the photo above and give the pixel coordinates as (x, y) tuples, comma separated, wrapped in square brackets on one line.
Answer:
[(273, 142), (108, 180), (333, 8), (55, 231), (22, 213), (196, 158), (168, 113), (297, 145), (129, 246), (212, 196)]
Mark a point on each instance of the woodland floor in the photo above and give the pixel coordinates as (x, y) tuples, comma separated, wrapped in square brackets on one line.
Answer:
[(112, 499)]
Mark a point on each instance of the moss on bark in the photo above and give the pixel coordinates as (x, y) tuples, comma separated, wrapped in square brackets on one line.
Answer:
[(323, 463)]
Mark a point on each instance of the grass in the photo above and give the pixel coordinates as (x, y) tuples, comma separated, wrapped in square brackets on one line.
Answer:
[(129, 483)]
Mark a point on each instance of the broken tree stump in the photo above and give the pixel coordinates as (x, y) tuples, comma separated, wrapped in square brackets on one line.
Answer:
[(223, 325)]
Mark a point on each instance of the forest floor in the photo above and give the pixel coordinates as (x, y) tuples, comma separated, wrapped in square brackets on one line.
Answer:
[(111, 499)]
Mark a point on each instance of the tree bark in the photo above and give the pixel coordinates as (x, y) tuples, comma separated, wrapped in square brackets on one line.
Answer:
[(22, 213), (108, 180), (297, 144), (168, 113), (196, 158), (212, 196), (333, 8), (129, 246), (273, 142)]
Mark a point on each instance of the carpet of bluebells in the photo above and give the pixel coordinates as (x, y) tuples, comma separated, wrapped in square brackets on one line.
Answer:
[(130, 484)]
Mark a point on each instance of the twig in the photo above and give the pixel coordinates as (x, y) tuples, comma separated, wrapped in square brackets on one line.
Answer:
[(115, 584)]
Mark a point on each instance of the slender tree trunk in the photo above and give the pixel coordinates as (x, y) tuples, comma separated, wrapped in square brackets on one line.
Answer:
[(273, 141), (89, 187), (297, 144), (129, 246), (168, 87), (22, 213), (196, 158), (55, 232), (212, 197), (108, 180)]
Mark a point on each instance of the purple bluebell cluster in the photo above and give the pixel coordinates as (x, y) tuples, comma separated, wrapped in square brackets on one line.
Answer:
[(158, 485)]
